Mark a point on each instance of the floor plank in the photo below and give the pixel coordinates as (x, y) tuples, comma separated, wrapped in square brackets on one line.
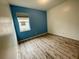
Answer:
[(49, 47)]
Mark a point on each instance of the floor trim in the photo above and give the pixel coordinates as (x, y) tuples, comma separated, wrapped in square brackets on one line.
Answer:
[(62, 36), (21, 41)]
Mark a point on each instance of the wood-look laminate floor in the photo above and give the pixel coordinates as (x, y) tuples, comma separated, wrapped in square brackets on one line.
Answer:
[(49, 47)]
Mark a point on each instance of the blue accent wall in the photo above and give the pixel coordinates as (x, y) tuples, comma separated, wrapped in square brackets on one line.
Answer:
[(38, 21)]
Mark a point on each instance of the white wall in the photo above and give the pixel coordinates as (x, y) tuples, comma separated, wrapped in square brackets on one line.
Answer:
[(8, 41), (63, 19)]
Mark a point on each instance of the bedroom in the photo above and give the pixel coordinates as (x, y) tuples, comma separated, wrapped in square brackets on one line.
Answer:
[(39, 29)]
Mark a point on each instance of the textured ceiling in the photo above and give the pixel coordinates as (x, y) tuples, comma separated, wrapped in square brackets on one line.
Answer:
[(35, 4)]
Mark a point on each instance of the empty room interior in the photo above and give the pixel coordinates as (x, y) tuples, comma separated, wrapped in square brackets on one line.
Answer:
[(39, 29)]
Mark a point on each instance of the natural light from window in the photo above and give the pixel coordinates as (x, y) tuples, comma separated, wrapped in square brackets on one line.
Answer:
[(24, 24)]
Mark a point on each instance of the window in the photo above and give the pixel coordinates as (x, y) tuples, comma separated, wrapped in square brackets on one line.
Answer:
[(24, 23)]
